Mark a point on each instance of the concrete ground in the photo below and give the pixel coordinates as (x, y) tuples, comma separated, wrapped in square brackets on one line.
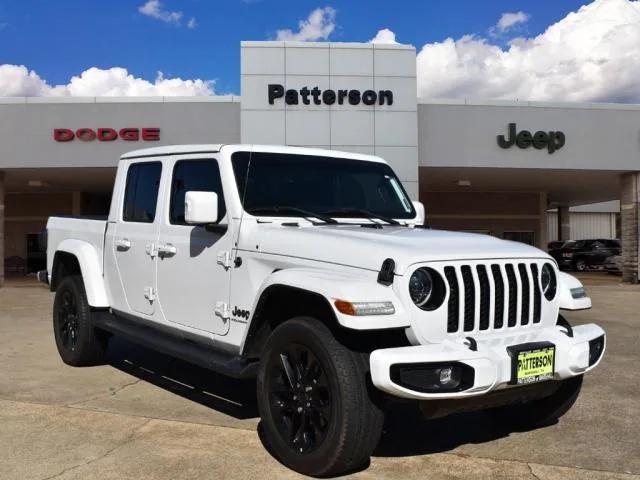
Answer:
[(146, 416)]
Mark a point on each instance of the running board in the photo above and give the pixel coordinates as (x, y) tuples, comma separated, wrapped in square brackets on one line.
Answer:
[(174, 345)]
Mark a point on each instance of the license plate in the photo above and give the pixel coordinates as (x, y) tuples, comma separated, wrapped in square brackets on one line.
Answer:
[(532, 363)]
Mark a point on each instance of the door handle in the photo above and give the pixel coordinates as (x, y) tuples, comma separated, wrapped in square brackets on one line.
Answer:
[(123, 244), (167, 250)]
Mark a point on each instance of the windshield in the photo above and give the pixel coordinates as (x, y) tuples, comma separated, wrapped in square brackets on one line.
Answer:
[(336, 187)]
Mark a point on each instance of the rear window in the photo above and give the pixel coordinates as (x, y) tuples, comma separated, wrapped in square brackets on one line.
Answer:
[(141, 192)]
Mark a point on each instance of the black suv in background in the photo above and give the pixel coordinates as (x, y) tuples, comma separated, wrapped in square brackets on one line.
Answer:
[(583, 254)]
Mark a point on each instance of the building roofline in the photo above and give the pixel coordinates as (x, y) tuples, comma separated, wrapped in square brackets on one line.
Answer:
[(345, 45), (524, 103), (83, 100)]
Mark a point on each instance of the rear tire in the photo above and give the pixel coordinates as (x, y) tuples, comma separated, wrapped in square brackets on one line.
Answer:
[(79, 342), (318, 419), (544, 411), (580, 265)]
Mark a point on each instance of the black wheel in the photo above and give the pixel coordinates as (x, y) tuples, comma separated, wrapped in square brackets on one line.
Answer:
[(544, 411), (78, 342), (580, 265), (317, 414)]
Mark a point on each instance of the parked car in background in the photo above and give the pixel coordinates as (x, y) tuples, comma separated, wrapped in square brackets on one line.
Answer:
[(555, 244), (613, 265), (581, 255)]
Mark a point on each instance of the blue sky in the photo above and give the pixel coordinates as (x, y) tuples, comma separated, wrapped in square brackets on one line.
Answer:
[(59, 39)]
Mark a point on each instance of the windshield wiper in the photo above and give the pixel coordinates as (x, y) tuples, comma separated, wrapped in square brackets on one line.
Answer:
[(367, 213), (301, 211)]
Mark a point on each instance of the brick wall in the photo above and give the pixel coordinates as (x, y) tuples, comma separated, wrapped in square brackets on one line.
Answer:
[(1, 228), (629, 210)]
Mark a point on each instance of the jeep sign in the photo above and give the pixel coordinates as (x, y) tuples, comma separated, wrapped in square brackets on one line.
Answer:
[(552, 141)]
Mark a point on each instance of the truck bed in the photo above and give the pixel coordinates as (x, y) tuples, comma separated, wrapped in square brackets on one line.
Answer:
[(86, 229)]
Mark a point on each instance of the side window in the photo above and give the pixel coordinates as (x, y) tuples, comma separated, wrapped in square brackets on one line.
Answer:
[(194, 176), (141, 193)]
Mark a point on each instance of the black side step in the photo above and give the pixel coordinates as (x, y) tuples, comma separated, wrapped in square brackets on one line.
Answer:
[(174, 345)]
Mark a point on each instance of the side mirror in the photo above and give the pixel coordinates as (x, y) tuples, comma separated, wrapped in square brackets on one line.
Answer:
[(201, 208), (420, 215)]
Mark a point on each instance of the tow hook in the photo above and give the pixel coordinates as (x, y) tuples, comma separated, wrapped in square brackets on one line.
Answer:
[(472, 344)]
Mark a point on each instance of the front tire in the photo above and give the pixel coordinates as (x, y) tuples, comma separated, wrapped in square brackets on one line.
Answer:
[(541, 412), (79, 342), (317, 415)]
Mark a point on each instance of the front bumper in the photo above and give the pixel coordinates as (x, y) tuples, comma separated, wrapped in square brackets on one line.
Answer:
[(490, 361)]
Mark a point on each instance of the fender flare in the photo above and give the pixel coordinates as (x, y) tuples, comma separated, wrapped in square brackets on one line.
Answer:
[(334, 285), (90, 268), (567, 301)]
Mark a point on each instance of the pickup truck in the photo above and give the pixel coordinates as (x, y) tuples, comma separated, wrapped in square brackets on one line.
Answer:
[(312, 271)]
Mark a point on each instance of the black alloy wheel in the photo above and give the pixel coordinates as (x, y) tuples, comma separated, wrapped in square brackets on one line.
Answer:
[(67, 321), (79, 342), (318, 411), (300, 398)]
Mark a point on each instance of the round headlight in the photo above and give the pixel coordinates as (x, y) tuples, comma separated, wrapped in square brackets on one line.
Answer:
[(548, 281), (420, 287)]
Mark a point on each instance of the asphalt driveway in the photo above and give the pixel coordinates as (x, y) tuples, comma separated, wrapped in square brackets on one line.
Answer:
[(147, 416)]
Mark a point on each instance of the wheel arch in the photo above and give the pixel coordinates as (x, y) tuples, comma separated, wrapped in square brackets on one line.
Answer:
[(299, 292), (279, 303), (76, 257)]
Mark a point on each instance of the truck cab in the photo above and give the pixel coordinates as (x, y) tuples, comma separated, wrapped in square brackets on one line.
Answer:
[(312, 271)]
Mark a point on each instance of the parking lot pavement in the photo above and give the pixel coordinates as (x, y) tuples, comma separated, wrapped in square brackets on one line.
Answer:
[(146, 416)]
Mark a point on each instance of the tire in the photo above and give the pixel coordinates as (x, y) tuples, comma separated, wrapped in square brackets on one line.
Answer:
[(322, 422), (544, 411), (79, 343), (580, 265)]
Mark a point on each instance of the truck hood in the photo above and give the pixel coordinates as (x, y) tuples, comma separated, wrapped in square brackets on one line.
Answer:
[(367, 248)]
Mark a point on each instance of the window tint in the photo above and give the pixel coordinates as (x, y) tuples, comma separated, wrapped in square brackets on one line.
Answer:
[(337, 187), (612, 243), (141, 193), (194, 176)]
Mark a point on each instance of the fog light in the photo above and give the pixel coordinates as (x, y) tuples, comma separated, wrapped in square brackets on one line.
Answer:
[(434, 377), (450, 376)]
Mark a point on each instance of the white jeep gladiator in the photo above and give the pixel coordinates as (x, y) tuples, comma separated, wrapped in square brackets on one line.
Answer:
[(313, 271)]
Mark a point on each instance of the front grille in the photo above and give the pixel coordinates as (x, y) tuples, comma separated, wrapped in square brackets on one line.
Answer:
[(488, 297)]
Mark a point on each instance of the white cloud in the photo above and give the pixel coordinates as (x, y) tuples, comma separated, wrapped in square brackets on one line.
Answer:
[(384, 36), (18, 81), (590, 55), (318, 26), (509, 20), (155, 9)]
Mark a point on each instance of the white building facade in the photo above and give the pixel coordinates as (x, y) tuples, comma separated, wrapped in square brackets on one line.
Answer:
[(509, 169)]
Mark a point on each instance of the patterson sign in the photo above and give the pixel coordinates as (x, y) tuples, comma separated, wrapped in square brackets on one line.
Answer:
[(552, 141), (107, 134), (316, 96)]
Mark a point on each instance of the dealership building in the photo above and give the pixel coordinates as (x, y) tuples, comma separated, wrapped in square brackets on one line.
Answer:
[(507, 168)]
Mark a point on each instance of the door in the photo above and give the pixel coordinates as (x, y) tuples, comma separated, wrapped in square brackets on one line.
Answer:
[(135, 236), (194, 261)]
